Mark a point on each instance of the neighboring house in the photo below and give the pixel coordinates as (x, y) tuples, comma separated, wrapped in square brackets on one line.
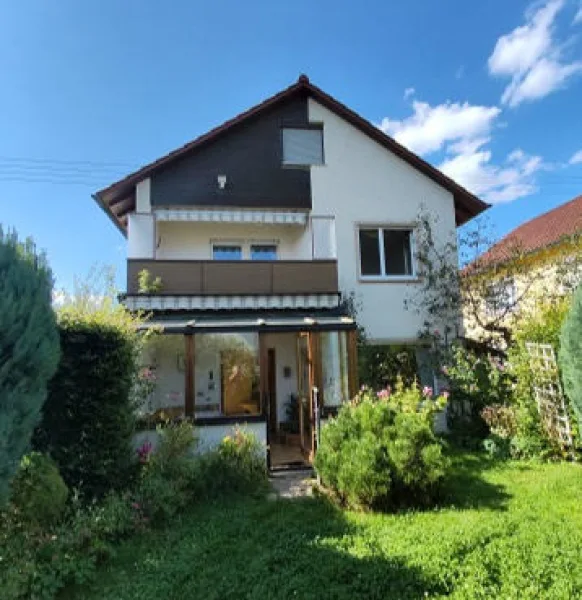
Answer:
[(539, 260), (257, 231)]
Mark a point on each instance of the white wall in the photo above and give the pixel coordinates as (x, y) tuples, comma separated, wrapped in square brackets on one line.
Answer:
[(182, 240), (140, 236), (209, 436), (364, 183), (285, 345)]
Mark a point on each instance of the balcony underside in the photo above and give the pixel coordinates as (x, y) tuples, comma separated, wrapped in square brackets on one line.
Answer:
[(237, 278)]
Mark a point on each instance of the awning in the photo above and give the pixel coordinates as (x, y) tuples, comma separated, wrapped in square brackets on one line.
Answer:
[(224, 324)]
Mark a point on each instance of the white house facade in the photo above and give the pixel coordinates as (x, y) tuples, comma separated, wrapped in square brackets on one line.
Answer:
[(244, 245)]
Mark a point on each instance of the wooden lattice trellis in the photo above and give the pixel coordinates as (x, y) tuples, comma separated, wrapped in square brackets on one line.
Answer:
[(549, 395)]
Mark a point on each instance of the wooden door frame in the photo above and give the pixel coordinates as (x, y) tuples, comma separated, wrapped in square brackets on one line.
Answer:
[(271, 390)]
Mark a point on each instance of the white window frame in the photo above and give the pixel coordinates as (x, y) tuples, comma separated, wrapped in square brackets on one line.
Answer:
[(383, 276), (245, 246)]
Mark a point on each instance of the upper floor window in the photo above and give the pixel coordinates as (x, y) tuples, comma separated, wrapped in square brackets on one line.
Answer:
[(302, 147), (386, 252), (263, 252), (226, 252)]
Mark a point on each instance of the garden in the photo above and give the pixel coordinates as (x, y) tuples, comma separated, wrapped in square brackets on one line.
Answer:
[(488, 508)]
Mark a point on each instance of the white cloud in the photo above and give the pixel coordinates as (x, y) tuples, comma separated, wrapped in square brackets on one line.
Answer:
[(513, 179), (576, 158), (430, 128), (463, 132), (532, 57), (578, 16), (409, 92)]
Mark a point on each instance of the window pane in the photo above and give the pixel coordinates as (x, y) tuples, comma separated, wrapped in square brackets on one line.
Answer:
[(162, 372), (369, 252), (397, 252), (302, 146), (263, 252), (226, 374), (334, 363), (227, 253)]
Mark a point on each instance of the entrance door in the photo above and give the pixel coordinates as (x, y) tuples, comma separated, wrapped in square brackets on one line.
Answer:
[(305, 384)]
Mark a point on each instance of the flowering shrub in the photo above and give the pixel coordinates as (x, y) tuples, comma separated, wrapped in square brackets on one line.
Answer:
[(381, 451), (237, 466), (475, 381), (502, 420)]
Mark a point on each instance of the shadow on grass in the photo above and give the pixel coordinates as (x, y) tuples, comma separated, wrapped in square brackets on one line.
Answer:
[(304, 549), (466, 486)]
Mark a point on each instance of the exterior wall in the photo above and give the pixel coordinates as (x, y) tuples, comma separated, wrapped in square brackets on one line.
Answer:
[(250, 157), (194, 240), (363, 183), (285, 345), (209, 436), (140, 236)]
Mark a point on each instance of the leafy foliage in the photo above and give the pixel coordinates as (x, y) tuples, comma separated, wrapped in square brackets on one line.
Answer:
[(381, 366), (570, 355), (167, 482), (89, 417), (236, 466), (475, 382), (38, 490), (381, 450), (147, 284), (29, 347)]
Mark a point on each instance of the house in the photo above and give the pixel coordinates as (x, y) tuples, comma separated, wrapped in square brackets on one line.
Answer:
[(539, 260), (249, 240)]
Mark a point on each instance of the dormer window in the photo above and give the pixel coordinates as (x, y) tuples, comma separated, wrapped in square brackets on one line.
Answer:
[(302, 147)]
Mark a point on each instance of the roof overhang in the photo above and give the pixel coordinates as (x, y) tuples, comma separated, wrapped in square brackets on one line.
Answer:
[(236, 323), (119, 199)]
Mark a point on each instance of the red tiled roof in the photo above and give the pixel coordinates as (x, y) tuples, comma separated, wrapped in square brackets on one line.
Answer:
[(118, 199), (538, 233)]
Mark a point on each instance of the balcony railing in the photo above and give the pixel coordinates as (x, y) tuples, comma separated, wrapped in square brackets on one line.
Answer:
[(208, 277)]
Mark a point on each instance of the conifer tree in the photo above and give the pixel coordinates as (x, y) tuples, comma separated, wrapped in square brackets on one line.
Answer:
[(570, 355), (29, 348)]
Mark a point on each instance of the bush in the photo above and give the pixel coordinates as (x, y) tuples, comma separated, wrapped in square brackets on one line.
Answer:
[(29, 347), (570, 355), (167, 482), (382, 365), (88, 419), (475, 382), (236, 466), (38, 491), (65, 554), (381, 450), (543, 326)]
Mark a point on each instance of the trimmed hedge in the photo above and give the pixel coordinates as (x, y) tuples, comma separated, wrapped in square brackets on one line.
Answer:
[(88, 419), (570, 356)]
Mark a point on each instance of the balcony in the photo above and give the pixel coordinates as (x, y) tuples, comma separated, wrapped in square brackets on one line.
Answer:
[(240, 278)]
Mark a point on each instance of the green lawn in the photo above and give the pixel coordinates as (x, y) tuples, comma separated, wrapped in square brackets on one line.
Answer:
[(503, 531)]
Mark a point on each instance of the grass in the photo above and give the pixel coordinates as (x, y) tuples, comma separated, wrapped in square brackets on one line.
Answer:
[(510, 530)]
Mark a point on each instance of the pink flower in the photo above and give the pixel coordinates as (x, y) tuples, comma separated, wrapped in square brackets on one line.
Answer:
[(135, 505), (436, 332), (427, 391), (446, 394), (384, 393), (144, 451)]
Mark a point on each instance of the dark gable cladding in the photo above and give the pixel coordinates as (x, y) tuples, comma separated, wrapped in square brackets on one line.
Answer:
[(251, 149), (250, 157)]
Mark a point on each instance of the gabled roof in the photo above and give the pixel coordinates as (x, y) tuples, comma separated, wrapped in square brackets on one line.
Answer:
[(538, 233), (118, 199)]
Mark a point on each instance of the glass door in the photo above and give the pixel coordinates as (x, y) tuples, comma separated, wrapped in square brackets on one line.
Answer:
[(305, 382)]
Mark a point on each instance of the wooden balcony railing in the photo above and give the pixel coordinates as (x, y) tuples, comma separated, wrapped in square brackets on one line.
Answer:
[(213, 277)]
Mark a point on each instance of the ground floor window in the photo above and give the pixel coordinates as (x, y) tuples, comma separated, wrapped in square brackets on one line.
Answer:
[(226, 375)]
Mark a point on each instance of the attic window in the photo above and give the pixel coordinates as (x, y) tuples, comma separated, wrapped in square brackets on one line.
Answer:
[(302, 147)]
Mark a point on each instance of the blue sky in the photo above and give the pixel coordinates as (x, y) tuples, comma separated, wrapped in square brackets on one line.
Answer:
[(489, 91)]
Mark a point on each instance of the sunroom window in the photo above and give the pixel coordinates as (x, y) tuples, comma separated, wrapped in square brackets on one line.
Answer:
[(386, 252)]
